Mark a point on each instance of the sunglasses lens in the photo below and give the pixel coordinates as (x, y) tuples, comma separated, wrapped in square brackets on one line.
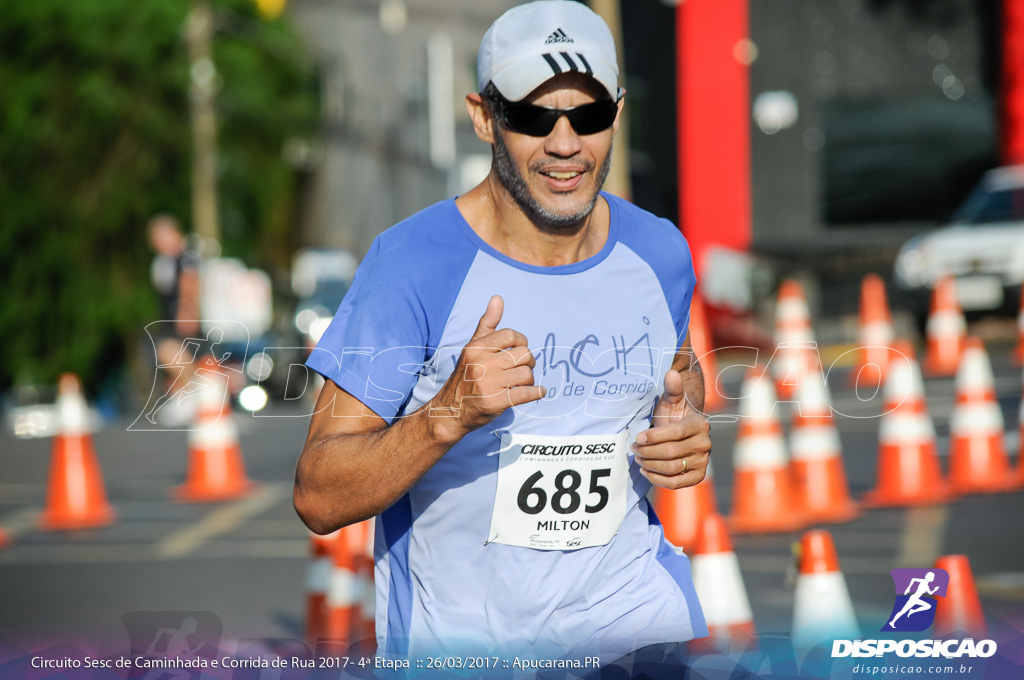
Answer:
[(592, 118), (539, 121), (527, 119)]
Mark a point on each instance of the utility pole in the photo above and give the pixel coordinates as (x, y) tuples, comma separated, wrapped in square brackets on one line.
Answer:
[(202, 90), (618, 181)]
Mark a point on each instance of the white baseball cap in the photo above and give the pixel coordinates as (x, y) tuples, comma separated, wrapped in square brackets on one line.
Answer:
[(532, 43)]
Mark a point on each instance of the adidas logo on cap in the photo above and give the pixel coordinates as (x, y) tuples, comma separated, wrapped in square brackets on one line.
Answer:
[(558, 36), (510, 48)]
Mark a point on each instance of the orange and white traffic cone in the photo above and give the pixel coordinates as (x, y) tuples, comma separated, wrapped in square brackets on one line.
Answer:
[(875, 336), (945, 331), (763, 497), (681, 511), (341, 591), (977, 461), (703, 349), (909, 472), (367, 593), (820, 478), (317, 583), (76, 497), (796, 350), (345, 591), (216, 471), (823, 610), (960, 610), (4, 539), (720, 589)]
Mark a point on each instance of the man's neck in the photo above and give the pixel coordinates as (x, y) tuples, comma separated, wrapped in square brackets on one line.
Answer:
[(499, 220)]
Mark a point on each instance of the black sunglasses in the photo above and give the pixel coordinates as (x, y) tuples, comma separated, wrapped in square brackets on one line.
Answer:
[(539, 121)]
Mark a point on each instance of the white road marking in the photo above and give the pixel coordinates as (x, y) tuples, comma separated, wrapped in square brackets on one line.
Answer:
[(220, 521), (923, 533), (1002, 585), (21, 521)]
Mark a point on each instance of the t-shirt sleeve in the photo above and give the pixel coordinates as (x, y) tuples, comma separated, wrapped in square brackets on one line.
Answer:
[(680, 284), (376, 345)]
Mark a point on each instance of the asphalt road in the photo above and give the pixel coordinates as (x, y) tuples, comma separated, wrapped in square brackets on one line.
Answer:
[(245, 561)]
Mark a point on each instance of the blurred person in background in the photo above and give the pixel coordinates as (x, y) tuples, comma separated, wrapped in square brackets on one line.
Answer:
[(175, 276), (510, 483)]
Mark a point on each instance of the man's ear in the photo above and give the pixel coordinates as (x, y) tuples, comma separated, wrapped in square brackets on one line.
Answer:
[(618, 116), (480, 113)]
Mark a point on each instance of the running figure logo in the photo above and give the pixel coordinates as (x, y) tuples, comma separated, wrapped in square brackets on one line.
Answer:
[(181, 373), (914, 610)]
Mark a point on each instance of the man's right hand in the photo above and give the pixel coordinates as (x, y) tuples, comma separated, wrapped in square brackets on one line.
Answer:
[(493, 374)]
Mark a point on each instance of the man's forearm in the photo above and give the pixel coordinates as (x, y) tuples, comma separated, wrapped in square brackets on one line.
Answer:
[(346, 478), (354, 469)]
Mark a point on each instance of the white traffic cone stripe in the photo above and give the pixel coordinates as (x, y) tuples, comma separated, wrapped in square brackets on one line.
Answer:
[(792, 309), (814, 442), (758, 398), (219, 432), (813, 398), (904, 428), (760, 452), (823, 610), (319, 575), (876, 334), (342, 589), (904, 383), (975, 373), (970, 419), (945, 323), (73, 414), (719, 585), (368, 599)]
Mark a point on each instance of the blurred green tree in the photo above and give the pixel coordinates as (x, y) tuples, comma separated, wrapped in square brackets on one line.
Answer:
[(95, 138)]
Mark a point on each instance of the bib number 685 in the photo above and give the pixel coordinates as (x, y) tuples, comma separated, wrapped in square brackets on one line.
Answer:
[(566, 500)]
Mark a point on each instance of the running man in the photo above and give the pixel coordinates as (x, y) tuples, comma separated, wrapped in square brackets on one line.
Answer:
[(916, 603), (510, 374)]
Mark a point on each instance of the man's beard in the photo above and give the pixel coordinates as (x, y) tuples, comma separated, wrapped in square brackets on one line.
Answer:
[(544, 219)]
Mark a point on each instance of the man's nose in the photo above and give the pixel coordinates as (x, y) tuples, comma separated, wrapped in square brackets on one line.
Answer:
[(563, 140)]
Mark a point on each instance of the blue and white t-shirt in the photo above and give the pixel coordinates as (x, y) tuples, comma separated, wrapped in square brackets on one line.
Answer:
[(604, 332)]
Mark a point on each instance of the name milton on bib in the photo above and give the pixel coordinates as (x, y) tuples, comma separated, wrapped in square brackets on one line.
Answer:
[(560, 493)]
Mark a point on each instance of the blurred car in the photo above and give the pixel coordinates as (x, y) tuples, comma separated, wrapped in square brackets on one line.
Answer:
[(982, 248), (320, 279), (33, 412)]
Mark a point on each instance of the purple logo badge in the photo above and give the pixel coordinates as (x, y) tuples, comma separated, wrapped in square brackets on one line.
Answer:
[(916, 590)]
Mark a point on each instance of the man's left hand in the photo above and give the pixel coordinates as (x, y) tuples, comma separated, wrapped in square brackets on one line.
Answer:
[(674, 452)]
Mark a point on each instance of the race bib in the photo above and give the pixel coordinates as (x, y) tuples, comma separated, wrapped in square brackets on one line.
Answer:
[(560, 493)]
